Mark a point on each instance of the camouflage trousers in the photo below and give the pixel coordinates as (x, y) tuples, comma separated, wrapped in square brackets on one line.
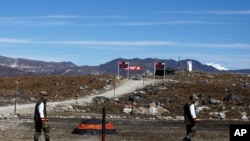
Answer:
[(39, 127), (191, 130)]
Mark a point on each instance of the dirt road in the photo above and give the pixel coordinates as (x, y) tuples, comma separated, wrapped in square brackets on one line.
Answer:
[(125, 86)]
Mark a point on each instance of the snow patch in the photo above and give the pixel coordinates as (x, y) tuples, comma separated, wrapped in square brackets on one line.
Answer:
[(217, 66)]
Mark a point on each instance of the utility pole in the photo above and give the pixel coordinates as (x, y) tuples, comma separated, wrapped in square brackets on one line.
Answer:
[(16, 96)]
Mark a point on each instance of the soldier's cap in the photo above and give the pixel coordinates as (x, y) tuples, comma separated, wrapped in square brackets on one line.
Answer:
[(193, 96), (44, 93)]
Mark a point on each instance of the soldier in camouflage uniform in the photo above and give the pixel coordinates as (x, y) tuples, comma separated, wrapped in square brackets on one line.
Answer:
[(190, 117), (40, 117)]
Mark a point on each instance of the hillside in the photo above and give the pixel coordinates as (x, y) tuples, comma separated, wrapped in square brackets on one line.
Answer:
[(229, 91), (58, 87), (25, 67), (156, 108)]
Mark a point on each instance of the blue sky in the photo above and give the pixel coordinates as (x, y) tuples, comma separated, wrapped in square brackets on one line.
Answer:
[(93, 32)]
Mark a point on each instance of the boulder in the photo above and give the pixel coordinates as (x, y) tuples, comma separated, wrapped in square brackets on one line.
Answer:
[(63, 107), (134, 98), (179, 118), (100, 99), (244, 116), (231, 97), (214, 101), (155, 109), (128, 109), (202, 108), (108, 87), (218, 115)]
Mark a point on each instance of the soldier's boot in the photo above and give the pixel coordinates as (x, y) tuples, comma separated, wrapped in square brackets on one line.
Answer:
[(46, 139), (46, 133), (36, 136), (186, 139)]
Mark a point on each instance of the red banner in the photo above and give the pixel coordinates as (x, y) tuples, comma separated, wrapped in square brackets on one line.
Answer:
[(159, 65), (123, 65), (136, 68)]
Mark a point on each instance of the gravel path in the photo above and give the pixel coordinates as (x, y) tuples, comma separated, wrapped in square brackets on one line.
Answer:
[(125, 87)]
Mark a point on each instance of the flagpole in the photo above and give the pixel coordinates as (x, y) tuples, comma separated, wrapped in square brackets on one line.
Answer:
[(164, 77), (154, 75), (118, 68), (128, 71), (179, 65)]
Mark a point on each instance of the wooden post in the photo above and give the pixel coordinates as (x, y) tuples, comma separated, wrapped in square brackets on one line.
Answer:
[(16, 96)]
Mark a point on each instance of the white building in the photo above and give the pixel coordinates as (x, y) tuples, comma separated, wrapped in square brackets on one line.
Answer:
[(189, 64)]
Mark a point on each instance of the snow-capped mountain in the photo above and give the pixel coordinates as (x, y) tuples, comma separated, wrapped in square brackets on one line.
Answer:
[(217, 66)]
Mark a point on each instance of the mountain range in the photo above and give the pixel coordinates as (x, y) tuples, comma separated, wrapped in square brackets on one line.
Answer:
[(27, 67)]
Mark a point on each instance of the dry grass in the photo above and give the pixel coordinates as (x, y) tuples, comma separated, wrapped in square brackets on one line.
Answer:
[(58, 87)]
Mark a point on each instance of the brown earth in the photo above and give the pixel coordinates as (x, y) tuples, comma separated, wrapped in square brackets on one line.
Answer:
[(128, 130), (172, 93), (59, 87)]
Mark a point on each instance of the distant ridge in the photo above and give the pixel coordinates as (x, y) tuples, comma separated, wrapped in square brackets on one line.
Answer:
[(26, 67)]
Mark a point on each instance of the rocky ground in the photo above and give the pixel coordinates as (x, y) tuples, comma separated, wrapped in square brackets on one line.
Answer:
[(148, 113)]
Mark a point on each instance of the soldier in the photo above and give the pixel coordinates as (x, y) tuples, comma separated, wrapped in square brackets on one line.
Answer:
[(190, 117), (40, 117)]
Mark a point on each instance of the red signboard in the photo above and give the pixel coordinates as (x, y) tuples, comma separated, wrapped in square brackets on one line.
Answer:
[(123, 65), (136, 68), (159, 65)]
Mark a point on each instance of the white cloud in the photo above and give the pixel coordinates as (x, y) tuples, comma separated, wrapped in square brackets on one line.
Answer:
[(33, 21), (14, 41), (158, 23), (114, 20), (227, 12), (219, 45), (84, 17), (62, 20), (214, 12), (128, 43), (114, 43)]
